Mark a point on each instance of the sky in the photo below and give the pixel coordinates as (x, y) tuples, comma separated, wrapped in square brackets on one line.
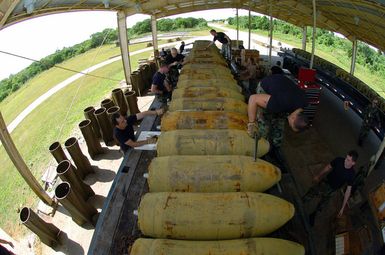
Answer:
[(38, 37)]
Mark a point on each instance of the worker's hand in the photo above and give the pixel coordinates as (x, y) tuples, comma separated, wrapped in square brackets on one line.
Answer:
[(159, 111), (340, 213), (316, 179), (252, 129), (152, 140)]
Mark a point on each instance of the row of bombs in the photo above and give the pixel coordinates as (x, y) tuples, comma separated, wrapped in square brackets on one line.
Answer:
[(205, 190), (207, 114)]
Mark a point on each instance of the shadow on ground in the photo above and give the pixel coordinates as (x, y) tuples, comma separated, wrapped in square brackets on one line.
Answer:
[(69, 246), (109, 154), (100, 175)]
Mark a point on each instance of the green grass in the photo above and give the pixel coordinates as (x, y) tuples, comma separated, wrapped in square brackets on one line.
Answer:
[(39, 129), (18, 101), (335, 56)]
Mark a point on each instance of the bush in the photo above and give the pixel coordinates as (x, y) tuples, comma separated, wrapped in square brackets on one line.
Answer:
[(365, 55)]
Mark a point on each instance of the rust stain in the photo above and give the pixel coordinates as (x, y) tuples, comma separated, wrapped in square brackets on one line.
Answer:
[(247, 197), (170, 226), (168, 199), (237, 187), (231, 141)]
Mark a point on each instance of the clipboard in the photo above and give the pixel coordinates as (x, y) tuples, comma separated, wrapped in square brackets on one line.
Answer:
[(144, 135)]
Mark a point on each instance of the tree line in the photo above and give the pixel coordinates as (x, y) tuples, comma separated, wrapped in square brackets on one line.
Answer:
[(366, 56), (167, 25), (107, 36)]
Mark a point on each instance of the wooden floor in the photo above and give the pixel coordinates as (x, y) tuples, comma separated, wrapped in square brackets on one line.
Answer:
[(116, 229)]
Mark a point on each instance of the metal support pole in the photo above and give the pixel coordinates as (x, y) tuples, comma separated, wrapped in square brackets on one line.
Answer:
[(376, 157), (154, 33), (304, 37), (271, 34), (354, 55), (123, 41), (249, 46), (20, 165), (314, 33), (237, 29)]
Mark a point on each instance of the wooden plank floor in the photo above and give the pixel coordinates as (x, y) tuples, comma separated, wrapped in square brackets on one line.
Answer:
[(116, 221)]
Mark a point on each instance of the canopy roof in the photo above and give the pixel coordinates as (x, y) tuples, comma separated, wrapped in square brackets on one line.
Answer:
[(360, 19)]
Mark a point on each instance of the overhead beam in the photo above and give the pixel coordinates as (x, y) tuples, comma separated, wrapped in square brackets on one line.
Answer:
[(20, 165), (123, 42), (301, 13), (307, 11), (9, 9), (182, 9)]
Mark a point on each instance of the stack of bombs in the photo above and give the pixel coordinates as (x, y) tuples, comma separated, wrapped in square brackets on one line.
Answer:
[(205, 188)]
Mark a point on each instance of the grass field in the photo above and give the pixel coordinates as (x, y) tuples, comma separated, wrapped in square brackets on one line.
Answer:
[(42, 127), (335, 56)]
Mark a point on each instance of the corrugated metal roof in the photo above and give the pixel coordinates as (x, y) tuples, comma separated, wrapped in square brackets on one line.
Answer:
[(361, 19)]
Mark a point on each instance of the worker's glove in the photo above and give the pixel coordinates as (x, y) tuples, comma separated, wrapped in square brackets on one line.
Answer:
[(159, 112), (153, 139), (252, 129)]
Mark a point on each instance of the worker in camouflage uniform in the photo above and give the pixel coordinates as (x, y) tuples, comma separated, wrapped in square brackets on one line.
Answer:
[(174, 61), (370, 117), (278, 98)]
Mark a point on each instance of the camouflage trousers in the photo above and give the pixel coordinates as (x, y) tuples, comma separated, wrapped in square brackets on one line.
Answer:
[(173, 76), (322, 190), (226, 51), (271, 125), (364, 131)]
